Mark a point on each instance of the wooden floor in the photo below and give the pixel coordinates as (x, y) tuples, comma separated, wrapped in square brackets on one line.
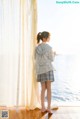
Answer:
[(63, 112)]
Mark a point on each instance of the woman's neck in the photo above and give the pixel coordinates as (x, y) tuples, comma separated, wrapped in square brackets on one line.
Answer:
[(44, 41)]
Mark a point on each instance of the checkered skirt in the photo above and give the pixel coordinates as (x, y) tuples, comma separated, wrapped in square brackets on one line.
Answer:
[(48, 76)]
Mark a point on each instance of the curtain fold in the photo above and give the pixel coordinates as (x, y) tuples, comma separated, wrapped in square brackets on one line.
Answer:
[(18, 26)]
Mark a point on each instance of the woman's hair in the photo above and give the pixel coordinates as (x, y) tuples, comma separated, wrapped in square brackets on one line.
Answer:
[(42, 35)]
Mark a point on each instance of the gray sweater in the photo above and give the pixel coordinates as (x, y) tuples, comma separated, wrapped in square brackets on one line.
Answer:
[(44, 58)]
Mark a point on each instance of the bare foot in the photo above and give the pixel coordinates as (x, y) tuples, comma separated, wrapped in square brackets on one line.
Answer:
[(43, 110), (50, 111)]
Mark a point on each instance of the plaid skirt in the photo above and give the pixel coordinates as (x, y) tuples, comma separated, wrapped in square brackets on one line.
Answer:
[(48, 76)]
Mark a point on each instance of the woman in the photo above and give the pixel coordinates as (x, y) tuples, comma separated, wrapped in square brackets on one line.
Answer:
[(44, 57)]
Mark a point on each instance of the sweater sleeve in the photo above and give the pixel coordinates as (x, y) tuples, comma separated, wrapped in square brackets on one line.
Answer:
[(51, 55), (35, 53)]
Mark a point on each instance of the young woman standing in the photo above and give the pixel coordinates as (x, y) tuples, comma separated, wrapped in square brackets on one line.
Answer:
[(44, 57)]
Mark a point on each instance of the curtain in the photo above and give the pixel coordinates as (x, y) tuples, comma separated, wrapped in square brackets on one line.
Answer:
[(18, 23)]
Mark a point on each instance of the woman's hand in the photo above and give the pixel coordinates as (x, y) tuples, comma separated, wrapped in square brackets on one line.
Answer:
[(54, 53)]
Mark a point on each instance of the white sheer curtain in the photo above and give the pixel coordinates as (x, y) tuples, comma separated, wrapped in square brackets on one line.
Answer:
[(18, 86)]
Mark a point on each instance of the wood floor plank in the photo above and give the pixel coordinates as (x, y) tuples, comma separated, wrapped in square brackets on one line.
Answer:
[(64, 112)]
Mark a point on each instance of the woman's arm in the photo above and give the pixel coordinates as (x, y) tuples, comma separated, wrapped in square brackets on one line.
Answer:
[(51, 55)]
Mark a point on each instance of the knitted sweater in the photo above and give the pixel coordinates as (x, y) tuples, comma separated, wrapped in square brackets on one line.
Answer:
[(44, 58)]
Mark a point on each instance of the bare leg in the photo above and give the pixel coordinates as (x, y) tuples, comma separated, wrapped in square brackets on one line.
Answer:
[(43, 88), (48, 84)]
